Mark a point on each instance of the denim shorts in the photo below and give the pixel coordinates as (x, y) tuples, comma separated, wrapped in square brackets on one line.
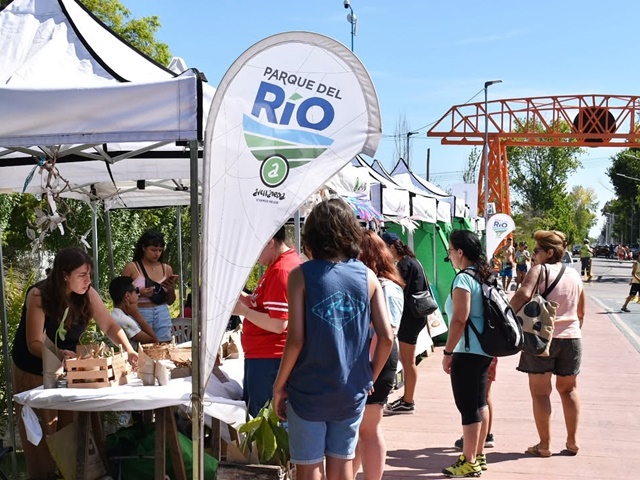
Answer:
[(159, 319), (565, 357), (309, 442)]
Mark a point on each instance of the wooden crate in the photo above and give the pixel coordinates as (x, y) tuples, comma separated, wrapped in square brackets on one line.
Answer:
[(97, 372)]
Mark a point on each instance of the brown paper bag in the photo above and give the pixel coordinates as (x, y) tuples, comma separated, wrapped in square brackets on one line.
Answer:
[(64, 450), (146, 368), (52, 363)]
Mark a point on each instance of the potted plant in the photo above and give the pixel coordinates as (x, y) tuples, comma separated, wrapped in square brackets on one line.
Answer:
[(261, 449)]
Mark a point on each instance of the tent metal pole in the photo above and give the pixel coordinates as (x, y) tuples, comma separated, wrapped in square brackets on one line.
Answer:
[(107, 222), (197, 390), (7, 365), (296, 230), (94, 244), (435, 253), (180, 265)]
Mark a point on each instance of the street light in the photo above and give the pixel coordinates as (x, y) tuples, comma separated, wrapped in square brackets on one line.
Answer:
[(352, 19), (486, 148), (409, 143)]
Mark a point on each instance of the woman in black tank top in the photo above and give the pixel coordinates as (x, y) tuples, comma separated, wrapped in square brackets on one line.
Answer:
[(66, 293)]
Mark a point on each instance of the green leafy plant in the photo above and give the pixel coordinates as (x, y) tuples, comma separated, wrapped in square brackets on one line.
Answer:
[(267, 435), (16, 286)]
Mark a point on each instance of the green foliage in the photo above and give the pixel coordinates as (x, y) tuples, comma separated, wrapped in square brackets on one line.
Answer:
[(139, 32), (268, 436), (623, 173), (470, 174), (16, 284), (538, 178), (538, 175)]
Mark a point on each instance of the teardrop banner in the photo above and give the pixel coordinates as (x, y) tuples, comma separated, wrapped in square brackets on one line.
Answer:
[(499, 226), (290, 112)]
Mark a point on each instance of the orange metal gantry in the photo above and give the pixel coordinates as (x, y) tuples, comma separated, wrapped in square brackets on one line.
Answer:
[(595, 121)]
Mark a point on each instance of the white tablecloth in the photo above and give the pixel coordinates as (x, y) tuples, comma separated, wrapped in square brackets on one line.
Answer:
[(222, 400)]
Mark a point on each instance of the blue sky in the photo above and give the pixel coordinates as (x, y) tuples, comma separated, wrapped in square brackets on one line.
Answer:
[(425, 57)]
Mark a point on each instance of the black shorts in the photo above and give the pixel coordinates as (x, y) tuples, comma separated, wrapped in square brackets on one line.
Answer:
[(565, 357), (386, 380), (410, 328), (634, 290)]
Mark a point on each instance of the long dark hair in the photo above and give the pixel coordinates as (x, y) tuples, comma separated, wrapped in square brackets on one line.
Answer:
[(332, 229), (402, 249), (53, 290), (471, 247), (150, 238), (377, 257)]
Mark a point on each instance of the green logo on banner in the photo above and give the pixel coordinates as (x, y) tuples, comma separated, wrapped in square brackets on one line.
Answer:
[(274, 170)]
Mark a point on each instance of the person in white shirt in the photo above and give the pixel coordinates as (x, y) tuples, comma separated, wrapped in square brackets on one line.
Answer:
[(125, 312)]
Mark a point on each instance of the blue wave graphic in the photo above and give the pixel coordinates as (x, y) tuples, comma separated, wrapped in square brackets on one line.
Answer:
[(298, 136)]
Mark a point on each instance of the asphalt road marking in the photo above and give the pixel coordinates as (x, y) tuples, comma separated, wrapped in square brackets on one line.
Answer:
[(622, 326)]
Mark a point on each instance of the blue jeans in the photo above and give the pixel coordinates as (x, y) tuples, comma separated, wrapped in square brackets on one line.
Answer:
[(309, 442), (159, 319), (259, 376)]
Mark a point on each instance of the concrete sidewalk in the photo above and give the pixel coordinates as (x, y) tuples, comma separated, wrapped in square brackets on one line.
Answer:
[(421, 445)]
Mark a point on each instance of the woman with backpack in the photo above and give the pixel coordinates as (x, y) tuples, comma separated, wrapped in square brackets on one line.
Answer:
[(565, 352), (464, 359)]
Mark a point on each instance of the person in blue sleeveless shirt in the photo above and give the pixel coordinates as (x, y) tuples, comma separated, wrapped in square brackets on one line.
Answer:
[(464, 360), (326, 373)]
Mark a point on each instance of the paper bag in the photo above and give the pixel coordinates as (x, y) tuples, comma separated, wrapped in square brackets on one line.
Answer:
[(64, 450), (437, 326), (163, 371), (146, 368), (52, 363)]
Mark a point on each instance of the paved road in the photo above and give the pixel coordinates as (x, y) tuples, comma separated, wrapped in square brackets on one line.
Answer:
[(608, 289)]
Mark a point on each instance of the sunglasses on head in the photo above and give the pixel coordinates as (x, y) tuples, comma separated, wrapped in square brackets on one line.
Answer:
[(135, 290)]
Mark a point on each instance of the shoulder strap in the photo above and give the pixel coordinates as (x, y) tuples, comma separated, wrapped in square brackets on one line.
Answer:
[(144, 272), (555, 282)]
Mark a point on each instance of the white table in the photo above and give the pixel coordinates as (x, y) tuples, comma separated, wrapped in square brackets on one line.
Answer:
[(135, 396)]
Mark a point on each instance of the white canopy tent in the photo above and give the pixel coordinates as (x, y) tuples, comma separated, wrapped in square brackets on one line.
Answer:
[(402, 175), (68, 86)]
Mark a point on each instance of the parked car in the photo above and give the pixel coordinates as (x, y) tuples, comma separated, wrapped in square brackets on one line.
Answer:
[(601, 251), (576, 249), (571, 262), (634, 248)]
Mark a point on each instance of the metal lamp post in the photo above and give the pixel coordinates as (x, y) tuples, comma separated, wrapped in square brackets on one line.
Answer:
[(486, 148), (352, 19)]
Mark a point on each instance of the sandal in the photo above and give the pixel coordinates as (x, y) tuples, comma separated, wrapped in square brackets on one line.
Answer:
[(573, 451), (536, 451)]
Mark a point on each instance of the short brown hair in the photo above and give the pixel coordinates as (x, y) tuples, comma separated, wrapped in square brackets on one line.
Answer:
[(552, 240)]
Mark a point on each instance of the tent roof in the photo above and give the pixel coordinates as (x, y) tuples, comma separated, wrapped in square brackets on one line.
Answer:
[(65, 78)]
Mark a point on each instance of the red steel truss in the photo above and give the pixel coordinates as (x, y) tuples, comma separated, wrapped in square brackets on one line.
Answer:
[(595, 121)]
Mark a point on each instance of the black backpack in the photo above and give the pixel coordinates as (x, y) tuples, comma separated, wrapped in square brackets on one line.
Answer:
[(502, 335)]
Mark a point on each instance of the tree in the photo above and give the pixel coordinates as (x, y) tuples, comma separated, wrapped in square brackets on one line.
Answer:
[(584, 205), (139, 32), (625, 167), (470, 174), (538, 175)]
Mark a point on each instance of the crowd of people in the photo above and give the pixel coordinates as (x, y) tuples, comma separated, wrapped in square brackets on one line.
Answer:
[(323, 334)]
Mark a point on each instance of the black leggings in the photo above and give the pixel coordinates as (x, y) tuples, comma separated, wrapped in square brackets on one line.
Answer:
[(469, 384)]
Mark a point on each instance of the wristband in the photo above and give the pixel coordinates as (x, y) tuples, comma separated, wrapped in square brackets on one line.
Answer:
[(447, 354)]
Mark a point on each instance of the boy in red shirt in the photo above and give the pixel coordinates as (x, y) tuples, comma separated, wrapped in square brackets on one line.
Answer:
[(264, 329)]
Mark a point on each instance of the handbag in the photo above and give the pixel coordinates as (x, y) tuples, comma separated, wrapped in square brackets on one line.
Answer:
[(538, 316), (159, 295), (422, 304)]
